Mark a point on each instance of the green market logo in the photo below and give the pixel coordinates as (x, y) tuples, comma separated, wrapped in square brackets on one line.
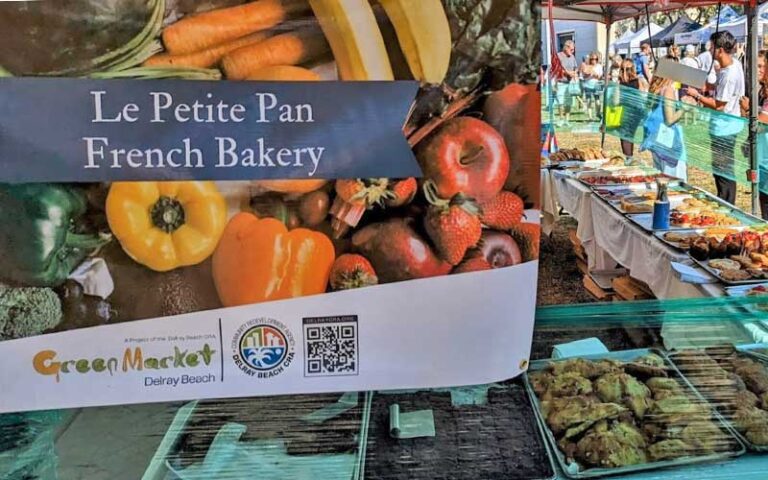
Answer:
[(46, 362)]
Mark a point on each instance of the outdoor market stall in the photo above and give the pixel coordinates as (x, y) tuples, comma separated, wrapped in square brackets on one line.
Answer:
[(608, 12), (610, 239)]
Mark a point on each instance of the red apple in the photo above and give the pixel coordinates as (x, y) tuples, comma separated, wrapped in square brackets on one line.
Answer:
[(465, 155), (515, 111)]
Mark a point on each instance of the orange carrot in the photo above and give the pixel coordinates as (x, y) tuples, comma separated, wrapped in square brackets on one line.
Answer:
[(285, 49), (284, 73), (205, 58), (205, 30)]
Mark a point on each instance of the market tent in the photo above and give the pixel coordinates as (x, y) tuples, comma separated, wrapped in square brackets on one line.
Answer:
[(738, 27), (627, 35), (727, 15), (632, 44), (666, 37), (614, 10)]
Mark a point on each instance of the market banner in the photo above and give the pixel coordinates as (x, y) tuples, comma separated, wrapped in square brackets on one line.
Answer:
[(456, 330), (110, 130), (225, 199)]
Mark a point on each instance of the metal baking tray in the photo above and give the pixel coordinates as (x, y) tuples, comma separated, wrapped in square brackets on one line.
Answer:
[(626, 356), (741, 291), (634, 188), (755, 356), (694, 231), (645, 220), (677, 246), (716, 274)]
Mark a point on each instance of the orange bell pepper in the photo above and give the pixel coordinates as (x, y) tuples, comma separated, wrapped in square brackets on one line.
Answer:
[(259, 260)]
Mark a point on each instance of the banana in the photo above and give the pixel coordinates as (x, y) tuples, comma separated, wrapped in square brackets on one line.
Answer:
[(358, 47), (424, 35)]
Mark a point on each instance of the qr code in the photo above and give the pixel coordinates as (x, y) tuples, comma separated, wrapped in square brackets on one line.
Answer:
[(330, 345)]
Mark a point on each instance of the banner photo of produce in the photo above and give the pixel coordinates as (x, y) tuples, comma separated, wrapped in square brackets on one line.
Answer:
[(213, 250)]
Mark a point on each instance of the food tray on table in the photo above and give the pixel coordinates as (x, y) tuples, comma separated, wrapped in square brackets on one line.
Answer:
[(645, 221), (295, 434), (477, 435), (619, 177), (666, 235), (714, 374), (753, 289), (718, 273), (681, 402), (700, 210)]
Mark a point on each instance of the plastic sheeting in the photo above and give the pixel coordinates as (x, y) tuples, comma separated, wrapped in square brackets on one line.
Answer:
[(703, 138)]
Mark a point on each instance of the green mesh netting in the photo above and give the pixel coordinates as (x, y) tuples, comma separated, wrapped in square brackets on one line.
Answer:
[(676, 131)]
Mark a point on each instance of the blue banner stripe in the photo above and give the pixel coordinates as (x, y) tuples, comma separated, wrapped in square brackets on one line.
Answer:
[(76, 130)]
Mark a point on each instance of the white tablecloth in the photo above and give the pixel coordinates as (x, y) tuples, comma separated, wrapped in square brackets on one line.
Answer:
[(609, 238), (647, 258), (576, 199)]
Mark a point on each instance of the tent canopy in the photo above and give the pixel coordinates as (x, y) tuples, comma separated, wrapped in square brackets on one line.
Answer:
[(666, 37), (738, 26), (701, 35), (614, 10), (612, 47), (632, 43)]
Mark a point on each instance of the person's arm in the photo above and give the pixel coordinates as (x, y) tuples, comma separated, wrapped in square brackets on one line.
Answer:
[(671, 115), (647, 69), (708, 102)]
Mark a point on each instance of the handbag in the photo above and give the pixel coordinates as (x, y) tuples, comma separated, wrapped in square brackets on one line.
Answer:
[(574, 88), (613, 116), (661, 139)]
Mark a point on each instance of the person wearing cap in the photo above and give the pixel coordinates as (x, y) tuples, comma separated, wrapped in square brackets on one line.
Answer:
[(689, 57)]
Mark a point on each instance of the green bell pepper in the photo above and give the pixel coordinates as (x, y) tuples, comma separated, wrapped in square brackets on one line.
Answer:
[(40, 233)]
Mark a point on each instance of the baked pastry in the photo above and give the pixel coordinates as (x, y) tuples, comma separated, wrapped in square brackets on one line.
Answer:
[(744, 261), (735, 275), (724, 264)]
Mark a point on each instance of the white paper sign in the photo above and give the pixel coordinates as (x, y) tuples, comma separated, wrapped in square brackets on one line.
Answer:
[(446, 331)]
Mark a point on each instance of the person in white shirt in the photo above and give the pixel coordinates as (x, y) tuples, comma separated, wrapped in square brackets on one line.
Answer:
[(723, 130), (592, 76), (705, 57), (689, 57)]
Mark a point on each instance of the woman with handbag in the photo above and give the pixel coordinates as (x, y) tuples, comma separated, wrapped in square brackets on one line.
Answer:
[(663, 134), (630, 112)]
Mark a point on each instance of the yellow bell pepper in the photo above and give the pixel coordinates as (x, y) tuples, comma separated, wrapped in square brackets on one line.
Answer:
[(165, 225)]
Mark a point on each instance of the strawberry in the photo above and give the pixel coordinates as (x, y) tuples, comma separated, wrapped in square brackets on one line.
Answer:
[(453, 226), (352, 271), (527, 235), (503, 211), (364, 192), (477, 264), (403, 192)]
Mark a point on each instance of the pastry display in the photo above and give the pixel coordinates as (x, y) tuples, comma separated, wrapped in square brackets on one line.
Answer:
[(736, 385), (578, 154), (619, 179), (696, 212), (736, 257), (611, 414)]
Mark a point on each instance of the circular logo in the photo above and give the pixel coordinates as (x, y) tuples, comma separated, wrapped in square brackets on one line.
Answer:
[(263, 348)]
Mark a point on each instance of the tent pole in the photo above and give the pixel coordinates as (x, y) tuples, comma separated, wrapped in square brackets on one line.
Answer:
[(606, 79), (752, 92)]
